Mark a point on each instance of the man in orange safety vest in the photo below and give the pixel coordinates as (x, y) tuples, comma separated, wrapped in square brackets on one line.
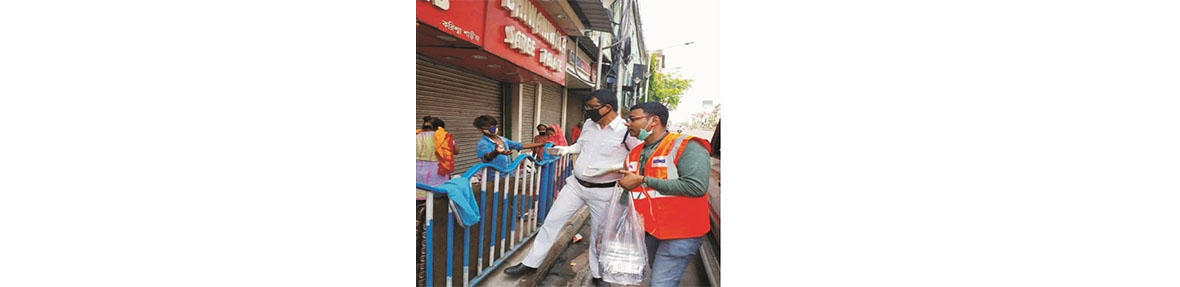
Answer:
[(667, 179)]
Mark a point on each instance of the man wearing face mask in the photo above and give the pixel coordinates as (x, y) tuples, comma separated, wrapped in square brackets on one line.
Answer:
[(493, 148), (603, 145), (668, 179)]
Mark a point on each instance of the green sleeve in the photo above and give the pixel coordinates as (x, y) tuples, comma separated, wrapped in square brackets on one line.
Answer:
[(693, 169)]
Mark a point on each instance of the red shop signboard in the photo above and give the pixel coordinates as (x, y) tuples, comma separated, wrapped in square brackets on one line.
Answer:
[(520, 32), (463, 19)]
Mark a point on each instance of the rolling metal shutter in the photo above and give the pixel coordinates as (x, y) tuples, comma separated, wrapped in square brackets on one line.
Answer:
[(528, 107), (550, 105), (457, 97), (575, 112)]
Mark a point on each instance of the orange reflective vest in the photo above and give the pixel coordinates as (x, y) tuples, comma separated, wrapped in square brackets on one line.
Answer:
[(443, 148), (668, 216)]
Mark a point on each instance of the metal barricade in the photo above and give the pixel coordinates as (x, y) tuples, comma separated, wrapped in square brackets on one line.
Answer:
[(510, 210)]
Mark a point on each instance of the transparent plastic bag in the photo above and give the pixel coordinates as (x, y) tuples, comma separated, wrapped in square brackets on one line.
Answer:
[(622, 254)]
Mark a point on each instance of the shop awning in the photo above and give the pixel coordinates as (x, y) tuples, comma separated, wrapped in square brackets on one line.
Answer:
[(588, 46), (594, 16)]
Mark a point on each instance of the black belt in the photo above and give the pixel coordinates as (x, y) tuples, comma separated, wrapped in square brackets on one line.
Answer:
[(594, 185)]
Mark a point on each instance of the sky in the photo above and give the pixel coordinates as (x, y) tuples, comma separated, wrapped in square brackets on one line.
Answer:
[(669, 23)]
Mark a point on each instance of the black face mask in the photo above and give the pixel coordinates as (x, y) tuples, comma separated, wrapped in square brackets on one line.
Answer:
[(593, 115), (426, 127), (541, 133)]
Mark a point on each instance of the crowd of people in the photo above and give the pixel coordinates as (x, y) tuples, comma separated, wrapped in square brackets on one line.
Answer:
[(436, 148), (665, 173)]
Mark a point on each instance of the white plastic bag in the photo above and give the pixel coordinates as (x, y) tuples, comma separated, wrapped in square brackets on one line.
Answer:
[(622, 254)]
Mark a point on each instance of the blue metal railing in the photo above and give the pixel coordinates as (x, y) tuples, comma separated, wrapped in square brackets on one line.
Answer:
[(530, 194)]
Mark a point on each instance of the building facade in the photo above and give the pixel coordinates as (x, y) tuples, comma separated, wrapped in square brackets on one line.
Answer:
[(525, 62), (628, 58)]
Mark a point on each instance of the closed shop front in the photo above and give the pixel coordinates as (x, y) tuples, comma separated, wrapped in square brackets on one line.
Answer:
[(485, 58), (550, 105), (457, 97), (575, 110), (528, 114)]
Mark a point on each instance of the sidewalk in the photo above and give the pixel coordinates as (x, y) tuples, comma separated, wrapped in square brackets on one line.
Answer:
[(568, 262), (498, 278), (571, 269)]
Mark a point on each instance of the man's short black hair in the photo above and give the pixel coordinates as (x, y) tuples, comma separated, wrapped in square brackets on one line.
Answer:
[(485, 121), (605, 97), (654, 108), (438, 123)]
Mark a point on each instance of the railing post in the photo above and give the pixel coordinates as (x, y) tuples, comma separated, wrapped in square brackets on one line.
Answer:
[(483, 194), (550, 194), (549, 185), (540, 193), (466, 253), (519, 206), (560, 172), (544, 186), (556, 173), (495, 206), (569, 169), (530, 190), (450, 243), (429, 238), (503, 219), (535, 180), (524, 206), (515, 204)]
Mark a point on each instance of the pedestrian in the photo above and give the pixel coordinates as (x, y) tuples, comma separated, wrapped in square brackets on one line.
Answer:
[(493, 148), (435, 153), (541, 137), (667, 178), (603, 145), (439, 124), (556, 136), (577, 131)]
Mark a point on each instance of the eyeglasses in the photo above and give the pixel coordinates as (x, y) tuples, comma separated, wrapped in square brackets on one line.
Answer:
[(589, 107), (632, 119)]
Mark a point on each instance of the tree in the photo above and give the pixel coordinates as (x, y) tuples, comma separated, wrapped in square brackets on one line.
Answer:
[(666, 87)]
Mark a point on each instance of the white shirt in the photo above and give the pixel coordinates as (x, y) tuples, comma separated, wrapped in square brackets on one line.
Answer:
[(602, 147)]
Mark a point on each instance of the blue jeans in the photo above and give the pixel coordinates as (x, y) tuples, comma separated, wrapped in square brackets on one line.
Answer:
[(669, 258)]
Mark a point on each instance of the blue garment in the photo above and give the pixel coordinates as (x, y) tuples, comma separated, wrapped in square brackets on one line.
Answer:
[(462, 201), (486, 145), (669, 258)]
